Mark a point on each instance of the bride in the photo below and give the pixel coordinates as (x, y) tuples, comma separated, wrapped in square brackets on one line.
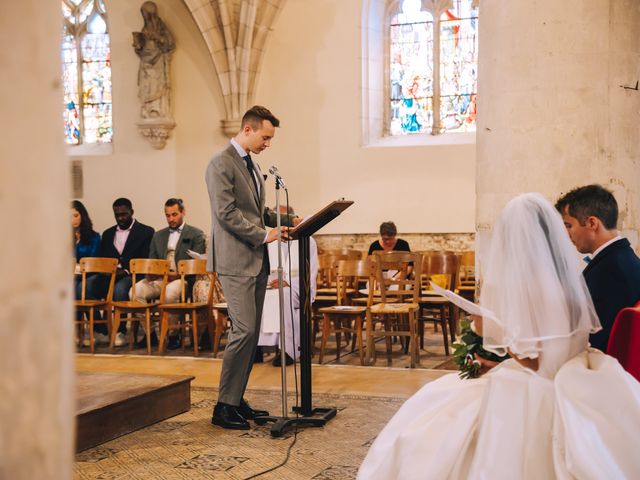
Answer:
[(556, 409)]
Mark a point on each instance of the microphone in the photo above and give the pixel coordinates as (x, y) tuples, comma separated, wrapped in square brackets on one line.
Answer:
[(273, 170)]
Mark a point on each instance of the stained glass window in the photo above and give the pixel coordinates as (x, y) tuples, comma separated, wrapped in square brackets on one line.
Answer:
[(86, 72), (433, 57)]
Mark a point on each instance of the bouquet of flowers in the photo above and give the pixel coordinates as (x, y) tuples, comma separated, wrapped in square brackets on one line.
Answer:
[(465, 352)]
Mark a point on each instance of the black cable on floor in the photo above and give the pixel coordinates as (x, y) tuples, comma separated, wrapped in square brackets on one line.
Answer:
[(281, 464)]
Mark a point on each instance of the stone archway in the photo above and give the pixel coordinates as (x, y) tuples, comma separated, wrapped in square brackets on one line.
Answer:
[(236, 33)]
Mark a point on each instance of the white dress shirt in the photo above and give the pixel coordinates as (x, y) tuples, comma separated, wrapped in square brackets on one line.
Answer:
[(120, 238)]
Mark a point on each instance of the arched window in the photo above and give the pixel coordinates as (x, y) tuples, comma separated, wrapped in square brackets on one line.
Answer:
[(432, 66), (86, 72)]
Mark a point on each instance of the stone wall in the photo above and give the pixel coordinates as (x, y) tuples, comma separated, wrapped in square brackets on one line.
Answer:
[(457, 242)]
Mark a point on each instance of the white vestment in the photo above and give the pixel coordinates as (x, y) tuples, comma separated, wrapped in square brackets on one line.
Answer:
[(270, 326)]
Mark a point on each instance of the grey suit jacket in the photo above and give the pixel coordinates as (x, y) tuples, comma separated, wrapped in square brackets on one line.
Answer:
[(191, 238), (238, 216)]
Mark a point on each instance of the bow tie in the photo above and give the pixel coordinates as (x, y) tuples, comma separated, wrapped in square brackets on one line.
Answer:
[(587, 259), (175, 230)]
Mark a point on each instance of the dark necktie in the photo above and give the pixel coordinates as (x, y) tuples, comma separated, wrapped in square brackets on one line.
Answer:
[(249, 162), (174, 230)]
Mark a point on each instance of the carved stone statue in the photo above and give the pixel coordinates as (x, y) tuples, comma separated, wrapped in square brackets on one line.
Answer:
[(154, 45)]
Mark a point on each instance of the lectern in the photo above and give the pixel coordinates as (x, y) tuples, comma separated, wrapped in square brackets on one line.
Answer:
[(307, 414)]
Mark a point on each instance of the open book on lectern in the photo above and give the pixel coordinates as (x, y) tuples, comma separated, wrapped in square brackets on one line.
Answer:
[(319, 219)]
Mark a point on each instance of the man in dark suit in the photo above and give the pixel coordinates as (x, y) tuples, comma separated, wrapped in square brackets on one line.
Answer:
[(126, 240), (171, 243), (238, 254), (612, 274)]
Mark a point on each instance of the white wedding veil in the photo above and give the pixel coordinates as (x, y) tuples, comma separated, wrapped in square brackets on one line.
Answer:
[(532, 281)]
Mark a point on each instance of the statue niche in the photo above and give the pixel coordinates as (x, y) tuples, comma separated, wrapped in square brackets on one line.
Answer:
[(154, 46)]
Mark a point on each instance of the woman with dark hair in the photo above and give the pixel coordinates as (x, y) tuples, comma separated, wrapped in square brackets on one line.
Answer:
[(389, 241), (86, 240)]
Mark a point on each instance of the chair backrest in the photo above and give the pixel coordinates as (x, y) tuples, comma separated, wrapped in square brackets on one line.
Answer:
[(98, 265), (349, 273), (149, 266), (193, 267), (467, 264), (624, 341), (327, 266), (405, 283), (438, 263), (350, 253)]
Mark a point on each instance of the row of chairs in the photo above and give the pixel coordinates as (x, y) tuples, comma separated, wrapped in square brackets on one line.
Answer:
[(390, 303), (199, 312), (396, 304)]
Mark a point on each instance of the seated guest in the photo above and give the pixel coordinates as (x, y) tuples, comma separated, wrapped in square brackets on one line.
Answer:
[(270, 325), (86, 240), (126, 240), (171, 243), (388, 241), (590, 215)]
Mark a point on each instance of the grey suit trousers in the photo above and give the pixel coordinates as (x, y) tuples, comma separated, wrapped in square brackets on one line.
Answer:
[(245, 299)]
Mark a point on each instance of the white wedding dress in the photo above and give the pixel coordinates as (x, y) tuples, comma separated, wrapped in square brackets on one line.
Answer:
[(581, 422), (577, 416)]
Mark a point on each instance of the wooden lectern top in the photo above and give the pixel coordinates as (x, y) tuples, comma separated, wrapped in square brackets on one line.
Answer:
[(314, 223)]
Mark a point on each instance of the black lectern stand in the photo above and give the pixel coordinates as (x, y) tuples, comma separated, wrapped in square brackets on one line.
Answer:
[(308, 415)]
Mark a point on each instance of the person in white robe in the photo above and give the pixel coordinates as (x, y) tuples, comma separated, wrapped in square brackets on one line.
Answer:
[(555, 409), (270, 326)]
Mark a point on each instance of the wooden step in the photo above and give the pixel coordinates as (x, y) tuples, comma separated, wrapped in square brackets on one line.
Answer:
[(109, 405)]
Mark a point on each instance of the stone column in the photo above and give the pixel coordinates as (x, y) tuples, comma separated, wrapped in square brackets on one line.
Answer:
[(553, 110), (37, 401)]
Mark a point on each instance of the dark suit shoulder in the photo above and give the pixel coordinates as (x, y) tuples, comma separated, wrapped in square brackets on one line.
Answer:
[(618, 259), (191, 230), (109, 232), (161, 231), (141, 227)]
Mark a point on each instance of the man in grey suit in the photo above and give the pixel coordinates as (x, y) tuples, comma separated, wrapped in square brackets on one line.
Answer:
[(238, 254), (171, 243)]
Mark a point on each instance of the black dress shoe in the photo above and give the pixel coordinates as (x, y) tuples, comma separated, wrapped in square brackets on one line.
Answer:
[(259, 356), (249, 413), (143, 343), (228, 416), (173, 342), (278, 362)]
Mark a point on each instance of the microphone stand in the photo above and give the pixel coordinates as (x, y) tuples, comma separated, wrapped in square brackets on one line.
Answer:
[(280, 424), (283, 353)]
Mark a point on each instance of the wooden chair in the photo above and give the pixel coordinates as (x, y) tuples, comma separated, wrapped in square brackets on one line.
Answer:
[(351, 253), (218, 310), (221, 320), (467, 268), (398, 309), (140, 267), (346, 318), (446, 264), (467, 281), (96, 266), (188, 306)]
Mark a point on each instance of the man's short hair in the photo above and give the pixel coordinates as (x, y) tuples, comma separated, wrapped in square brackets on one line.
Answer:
[(255, 115), (388, 229), (590, 201), (122, 202), (175, 201)]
